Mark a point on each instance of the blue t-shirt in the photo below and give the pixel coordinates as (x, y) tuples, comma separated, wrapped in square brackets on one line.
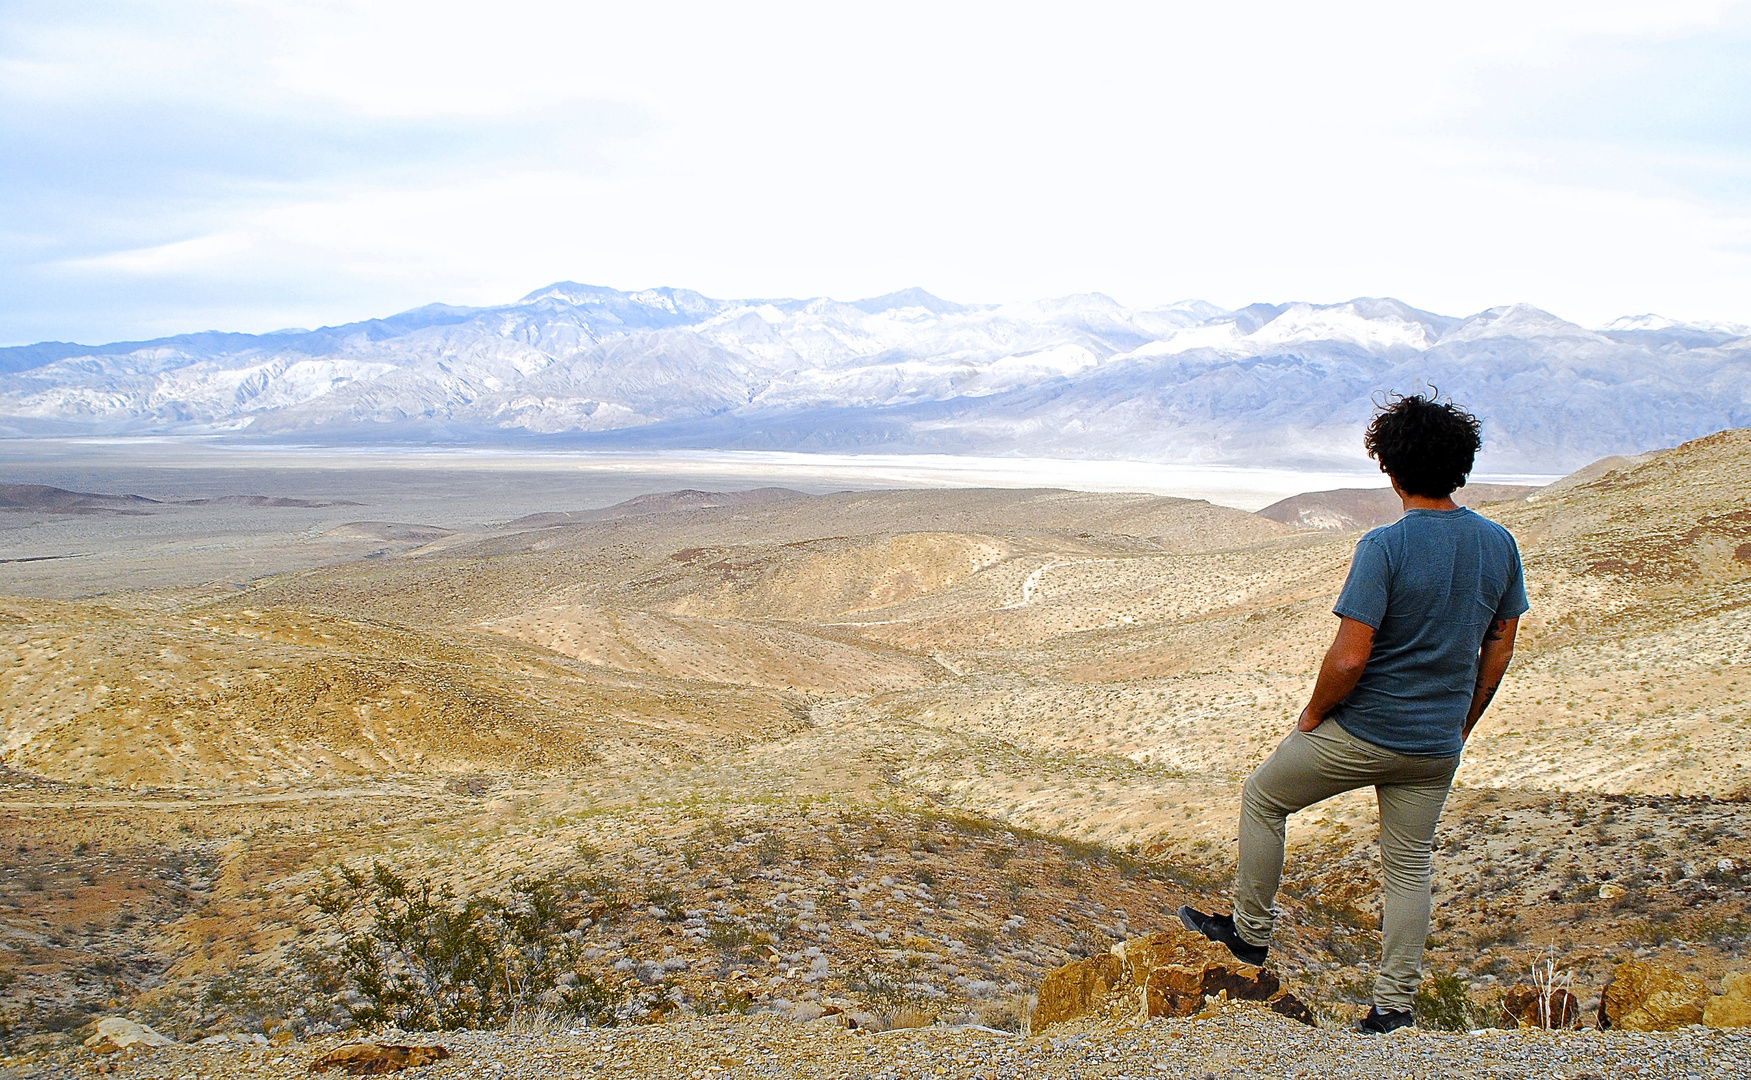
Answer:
[(1430, 584)]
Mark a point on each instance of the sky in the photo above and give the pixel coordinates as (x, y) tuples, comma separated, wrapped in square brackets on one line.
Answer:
[(245, 165)]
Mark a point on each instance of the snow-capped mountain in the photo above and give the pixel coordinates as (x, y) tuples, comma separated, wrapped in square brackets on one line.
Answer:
[(1077, 376)]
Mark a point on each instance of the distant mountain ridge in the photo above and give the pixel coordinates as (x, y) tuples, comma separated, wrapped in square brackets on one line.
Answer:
[(1367, 508), (1078, 376)]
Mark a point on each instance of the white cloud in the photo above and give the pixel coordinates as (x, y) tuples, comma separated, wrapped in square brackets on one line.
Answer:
[(985, 151), (181, 255)]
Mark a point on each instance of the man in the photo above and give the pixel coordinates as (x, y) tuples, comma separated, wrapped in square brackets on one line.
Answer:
[(1426, 629)]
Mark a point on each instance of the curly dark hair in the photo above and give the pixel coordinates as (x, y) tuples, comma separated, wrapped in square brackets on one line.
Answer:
[(1426, 445)]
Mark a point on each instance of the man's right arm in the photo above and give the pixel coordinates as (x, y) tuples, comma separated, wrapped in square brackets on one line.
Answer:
[(1492, 664)]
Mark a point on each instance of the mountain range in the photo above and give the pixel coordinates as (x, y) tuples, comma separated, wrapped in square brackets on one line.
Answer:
[(1078, 377)]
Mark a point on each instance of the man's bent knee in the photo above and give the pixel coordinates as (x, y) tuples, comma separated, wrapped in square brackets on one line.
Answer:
[(1256, 803)]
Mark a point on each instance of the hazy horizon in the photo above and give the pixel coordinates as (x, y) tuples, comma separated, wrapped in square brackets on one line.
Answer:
[(809, 297)]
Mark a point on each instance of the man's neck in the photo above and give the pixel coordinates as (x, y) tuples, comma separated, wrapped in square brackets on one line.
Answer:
[(1423, 502)]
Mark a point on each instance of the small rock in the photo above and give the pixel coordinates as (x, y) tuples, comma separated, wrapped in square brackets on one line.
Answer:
[(867, 1021), (118, 1033), (1521, 1008), (1287, 1004)]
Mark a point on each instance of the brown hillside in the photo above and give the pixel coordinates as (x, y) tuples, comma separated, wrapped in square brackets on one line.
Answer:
[(745, 718)]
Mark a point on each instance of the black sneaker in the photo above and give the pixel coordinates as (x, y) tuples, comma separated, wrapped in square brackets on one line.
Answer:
[(1379, 1023), (1220, 929)]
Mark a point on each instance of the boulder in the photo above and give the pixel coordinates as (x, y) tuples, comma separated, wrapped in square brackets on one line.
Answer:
[(1169, 973), (370, 1059), (1732, 1008), (1178, 969), (1521, 1008), (118, 1033), (1645, 996), (1076, 989)]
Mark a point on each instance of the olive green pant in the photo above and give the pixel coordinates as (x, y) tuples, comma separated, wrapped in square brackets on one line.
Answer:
[(1312, 766)]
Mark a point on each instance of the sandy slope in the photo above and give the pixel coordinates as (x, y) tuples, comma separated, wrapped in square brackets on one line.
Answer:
[(1088, 675)]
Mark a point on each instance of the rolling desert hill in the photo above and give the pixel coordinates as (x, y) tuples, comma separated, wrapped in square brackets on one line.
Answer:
[(884, 749), (1367, 508)]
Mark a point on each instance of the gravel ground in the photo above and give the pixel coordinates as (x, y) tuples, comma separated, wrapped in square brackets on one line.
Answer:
[(1236, 1041)]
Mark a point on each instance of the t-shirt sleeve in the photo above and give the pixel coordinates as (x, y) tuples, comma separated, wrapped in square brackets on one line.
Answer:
[(1514, 603), (1364, 594)]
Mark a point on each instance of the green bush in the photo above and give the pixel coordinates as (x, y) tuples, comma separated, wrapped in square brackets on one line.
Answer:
[(425, 959), (1441, 1003), (733, 939)]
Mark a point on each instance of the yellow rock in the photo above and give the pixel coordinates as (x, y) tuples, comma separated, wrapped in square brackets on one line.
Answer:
[(1074, 989), (1727, 1012), (371, 1058), (1643, 996), (1732, 1009), (1175, 969)]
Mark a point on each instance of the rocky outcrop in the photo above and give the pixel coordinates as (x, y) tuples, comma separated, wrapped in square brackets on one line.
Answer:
[(1732, 1008), (1529, 1007), (370, 1059), (1170, 973), (1644, 996), (118, 1033), (1178, 970)]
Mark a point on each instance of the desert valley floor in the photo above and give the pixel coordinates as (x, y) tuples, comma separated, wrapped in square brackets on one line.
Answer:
[(887, 753)]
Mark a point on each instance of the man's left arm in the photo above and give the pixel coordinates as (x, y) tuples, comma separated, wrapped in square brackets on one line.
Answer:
[(1492, 664), (1339, 672)]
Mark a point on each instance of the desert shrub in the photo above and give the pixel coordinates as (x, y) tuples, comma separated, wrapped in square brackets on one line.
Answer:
[(735, 939), (425, 959), (910, 1016), (1008, 1014), (1492, 965), (875, 984), (1084, 944), (1502, 931), (666, 897), (1355, 988), (770, 850), (1656, 929), (63, 1019), (473, 785), (1722, 929), (1441, 1003), (729, 999), (979, 937), (607, 890)]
